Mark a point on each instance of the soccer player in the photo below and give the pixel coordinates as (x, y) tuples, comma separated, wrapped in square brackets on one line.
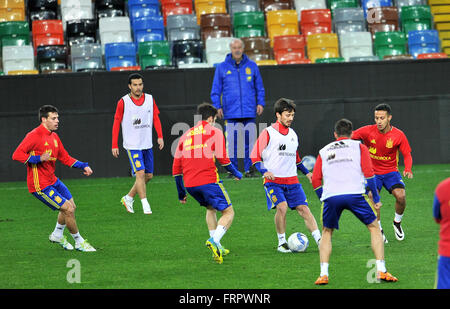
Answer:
[(194, 162), (137, 113), (276, 157), (384, 142), (39, 150), (344, 166), (441, 214)]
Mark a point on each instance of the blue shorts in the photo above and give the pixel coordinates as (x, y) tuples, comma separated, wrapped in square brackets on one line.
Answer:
[(292, 194), (141, 160), (212, 194), (54, 196), (443, 273), (359, 204), (389, 181)]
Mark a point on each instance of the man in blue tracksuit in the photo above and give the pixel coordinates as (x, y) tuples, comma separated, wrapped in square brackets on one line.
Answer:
[(238, 94)]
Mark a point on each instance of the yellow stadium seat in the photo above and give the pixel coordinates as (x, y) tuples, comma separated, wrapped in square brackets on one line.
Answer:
[(445, 44), (281, 22), (322, 45), (12, 10), (444, 35), (23, 72), (266, 62), (438, 2), (209, 6)]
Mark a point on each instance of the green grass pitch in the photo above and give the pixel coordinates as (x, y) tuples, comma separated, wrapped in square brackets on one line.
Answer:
[(166, 250)]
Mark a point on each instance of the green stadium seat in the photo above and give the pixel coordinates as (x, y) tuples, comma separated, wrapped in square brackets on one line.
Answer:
[(330, 60), (248, 24), (14, 33), (154, 54), (390, 43), (335, 4), (416, 17)]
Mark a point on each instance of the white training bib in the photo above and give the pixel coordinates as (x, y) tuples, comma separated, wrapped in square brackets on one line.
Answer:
[(341, 168), (137, 123), (280, 155)]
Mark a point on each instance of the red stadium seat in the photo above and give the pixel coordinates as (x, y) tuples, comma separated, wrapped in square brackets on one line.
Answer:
[(289, 47), (291, 58), (315, 21), (47, 32), (131, 68), (432, 56), (175, 7)]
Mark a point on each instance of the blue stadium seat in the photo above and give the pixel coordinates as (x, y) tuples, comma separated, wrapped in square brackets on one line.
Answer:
[(367, 4), (142, 8), (120, 55), (149, 28), (423, 41)]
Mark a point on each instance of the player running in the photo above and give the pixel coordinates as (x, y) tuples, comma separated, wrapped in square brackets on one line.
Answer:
[(39, 150), (384, 142), (344, 166), (195, 156), (276, 157)]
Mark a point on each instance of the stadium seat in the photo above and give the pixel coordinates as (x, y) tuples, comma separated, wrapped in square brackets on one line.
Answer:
[(215, 25), (175, 7), (51, 57), (416, 17), (348, 20), (187, 52), (301, 5), (439, 7), (12, 10), (23, 72), (249, 24), (216, 49), (86, 57), (367, 4), (398, 57), (14, 33), (42, 9), (182, 27), (266, 62), (383, 19), (292, 59), (76, 9), (47, 32), (236, 6), (276, 5), (389, 43), (121, 54), (336, 4), (366, 58), (109, 8), (401, 3), (257, 48), (322, 45), (154, 54), (355, 44), (18, 58), (81, 31), (142, 8), (432, 56), (289, 47), (129, 68), (330, 60), (446, 46), (114, 30), (208, 7), (282, 22), (149, 28), (315, 21), (423, 41)]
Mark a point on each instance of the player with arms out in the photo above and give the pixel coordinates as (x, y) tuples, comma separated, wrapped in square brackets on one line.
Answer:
[(137, 113), (39, 150), (276, 157), (194, 163), (343, 167), (385, 142)]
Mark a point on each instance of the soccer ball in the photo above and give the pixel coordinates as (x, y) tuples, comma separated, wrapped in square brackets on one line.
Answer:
[(308, 162), (298, 242)]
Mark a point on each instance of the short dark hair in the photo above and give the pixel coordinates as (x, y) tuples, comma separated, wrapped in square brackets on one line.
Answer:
[(383, 107), (206, 110), (284, 104), (45, 110), (343, 127), (134, 76)]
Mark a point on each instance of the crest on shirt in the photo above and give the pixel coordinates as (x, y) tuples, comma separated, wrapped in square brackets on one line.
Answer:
[(389, 143), (373, 141), (228, 72), (46, 144), (248, 71), (372, 150)]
